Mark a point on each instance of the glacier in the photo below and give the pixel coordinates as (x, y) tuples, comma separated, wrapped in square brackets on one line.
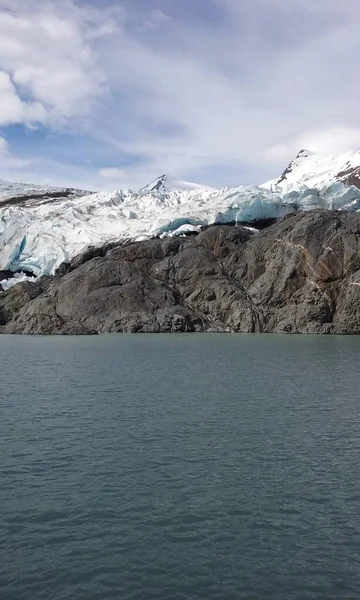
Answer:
[(37, 237), (314, 169)]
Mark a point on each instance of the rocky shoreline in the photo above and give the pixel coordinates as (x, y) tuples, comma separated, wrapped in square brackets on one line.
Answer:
[(300, 275)]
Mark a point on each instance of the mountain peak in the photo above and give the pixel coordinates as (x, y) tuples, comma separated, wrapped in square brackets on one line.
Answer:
[(166, 184), (319, 169), (157, 185), (303, 153)]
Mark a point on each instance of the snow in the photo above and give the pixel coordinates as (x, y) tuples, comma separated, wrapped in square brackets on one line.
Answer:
[(15, 190), (38, 237), (314, 170), (18, 278), (166, 184)]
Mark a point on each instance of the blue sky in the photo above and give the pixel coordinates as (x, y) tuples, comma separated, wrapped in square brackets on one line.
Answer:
[(102, 94)]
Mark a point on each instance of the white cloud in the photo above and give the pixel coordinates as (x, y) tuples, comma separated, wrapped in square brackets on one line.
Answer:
[(152, 21), (278, 152), (231, 96), (334, 139), (112, 173), (13, 109), (3, 146), (7, 160), (223, 101), (45, 57)]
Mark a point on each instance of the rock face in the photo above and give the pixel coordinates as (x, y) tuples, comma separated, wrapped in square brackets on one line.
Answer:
[(301, 275)]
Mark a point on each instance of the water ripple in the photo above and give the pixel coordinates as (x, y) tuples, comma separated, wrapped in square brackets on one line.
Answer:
[(180, 467)]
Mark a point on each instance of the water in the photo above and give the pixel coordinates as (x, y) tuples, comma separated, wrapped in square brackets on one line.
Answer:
[(179, 467)]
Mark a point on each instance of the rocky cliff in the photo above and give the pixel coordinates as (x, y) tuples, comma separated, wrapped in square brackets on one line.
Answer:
[(300, 275)]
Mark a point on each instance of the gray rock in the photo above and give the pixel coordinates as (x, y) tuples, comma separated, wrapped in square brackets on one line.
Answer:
[(300, 275)]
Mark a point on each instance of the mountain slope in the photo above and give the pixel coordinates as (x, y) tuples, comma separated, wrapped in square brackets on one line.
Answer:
[(36, 238), (317, 170), (27, 194), (41, 227), (301, 275), (166, 184)]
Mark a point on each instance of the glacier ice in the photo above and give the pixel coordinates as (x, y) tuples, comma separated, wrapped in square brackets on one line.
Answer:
[(18, 277), (39, 237)]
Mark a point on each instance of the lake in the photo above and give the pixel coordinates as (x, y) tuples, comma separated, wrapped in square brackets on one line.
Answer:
[(173, 467)]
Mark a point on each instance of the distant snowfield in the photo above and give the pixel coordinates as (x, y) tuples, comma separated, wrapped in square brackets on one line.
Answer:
[(315, 170), (39, 235)]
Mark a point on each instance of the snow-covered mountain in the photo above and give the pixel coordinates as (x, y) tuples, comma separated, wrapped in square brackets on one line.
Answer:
[(317, 169), (42, 227), (27, 194), (166, 184)]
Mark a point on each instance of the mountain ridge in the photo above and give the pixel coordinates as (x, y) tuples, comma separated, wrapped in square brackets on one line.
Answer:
[(308, 169), (166, 183), (41, 227), (27, 194), (318, 169)]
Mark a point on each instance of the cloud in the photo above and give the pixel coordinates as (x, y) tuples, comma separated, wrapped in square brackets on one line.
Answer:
[(225, 92), (45, 56), (152, 22), (3, 146), (13, 109), (7, 160), (266, 77), (334, 139), (112, 173)]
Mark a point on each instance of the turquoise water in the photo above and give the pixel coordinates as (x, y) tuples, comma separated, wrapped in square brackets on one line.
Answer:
[(179, 467)]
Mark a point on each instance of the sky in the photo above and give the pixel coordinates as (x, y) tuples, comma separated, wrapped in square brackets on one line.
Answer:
[(107, 94)]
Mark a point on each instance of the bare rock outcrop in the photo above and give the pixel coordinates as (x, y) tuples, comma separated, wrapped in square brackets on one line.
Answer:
[(301, 275)]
